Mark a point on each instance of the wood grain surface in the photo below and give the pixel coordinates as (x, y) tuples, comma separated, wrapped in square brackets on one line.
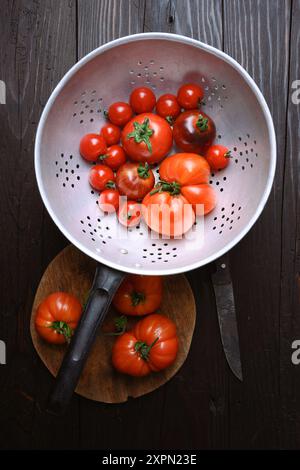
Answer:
[(203, 406), (72, 271)]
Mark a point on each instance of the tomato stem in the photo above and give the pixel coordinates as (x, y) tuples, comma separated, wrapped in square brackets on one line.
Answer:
[(110, 184), (143, 349), (170, 120), (202, 123), (62, 328), (120, 325), (142, 133), (137, 298), (143, 171), (173, 188), (228, 154)]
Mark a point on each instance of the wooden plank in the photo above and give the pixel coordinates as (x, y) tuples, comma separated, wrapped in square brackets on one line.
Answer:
[(201, 388), (257, 35), (31, 64), (136, 423), (290, 285), (105, 20)]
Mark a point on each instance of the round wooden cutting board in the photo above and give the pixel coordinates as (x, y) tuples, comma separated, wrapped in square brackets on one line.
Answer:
[(72, 271)]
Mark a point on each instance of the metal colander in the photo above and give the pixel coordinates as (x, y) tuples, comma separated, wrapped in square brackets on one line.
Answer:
[(244, 124), (162, 62)]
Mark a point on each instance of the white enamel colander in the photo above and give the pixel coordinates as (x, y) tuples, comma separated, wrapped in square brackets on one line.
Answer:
[(163, 62)]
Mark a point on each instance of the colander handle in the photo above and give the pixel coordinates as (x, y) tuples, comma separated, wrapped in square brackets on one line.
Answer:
[(105, 284)]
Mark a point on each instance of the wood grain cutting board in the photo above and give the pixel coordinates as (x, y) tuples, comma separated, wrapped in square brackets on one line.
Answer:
[(72, 271)]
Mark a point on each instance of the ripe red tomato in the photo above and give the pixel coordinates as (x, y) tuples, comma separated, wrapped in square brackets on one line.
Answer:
[(190, 95), (218, 157), (139, 295), (111, 133), (142, 100), (147, 138), (194, 131), (109, 200), (167, 213), (151, 346), (119, 113), (57, 317), (190, 172), (135, 180), (92, 146), (129, 213), (101, 177), (167, 107), (185, 169), (114, 157), (201, 196)]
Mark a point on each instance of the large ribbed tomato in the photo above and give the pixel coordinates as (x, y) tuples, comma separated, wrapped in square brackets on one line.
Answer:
[(190, 172), (151, 346), (57, 317), (139, 295)]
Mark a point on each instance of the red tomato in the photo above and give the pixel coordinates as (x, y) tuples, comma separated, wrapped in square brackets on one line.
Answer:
[(142, 100), (152, 345), (129, 213), (168, 214), (57, 317), (92, 146), (190, 95), (120, 113), (114, 157), (111, 133), (139, 295), (147, 138), (185, 169), (201, 196), (194, 131), (190, 172), (135, 180), (167, 107), (109, 200), (218, 157), (101, 177)]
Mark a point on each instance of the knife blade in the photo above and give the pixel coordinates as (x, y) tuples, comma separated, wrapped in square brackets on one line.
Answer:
[(223, 289)]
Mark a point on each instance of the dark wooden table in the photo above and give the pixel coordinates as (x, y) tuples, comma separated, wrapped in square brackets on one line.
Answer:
[(203, 406)]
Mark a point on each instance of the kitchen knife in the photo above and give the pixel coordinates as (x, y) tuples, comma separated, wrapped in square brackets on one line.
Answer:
[(226, 314)]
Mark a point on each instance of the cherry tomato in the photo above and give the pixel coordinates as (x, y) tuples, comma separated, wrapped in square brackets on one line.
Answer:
[(101, 177), (92, 146), (147, 138), (168, 213), (189, 173), (57, 317), (167, 107), (129, 213), (201, 196), (135, 180), (114, 157), (190, 95), (194, 131), (142, 100), (120, 113), (218, 157), (109, 200), (111, 133), (152, 345), (139, 295)]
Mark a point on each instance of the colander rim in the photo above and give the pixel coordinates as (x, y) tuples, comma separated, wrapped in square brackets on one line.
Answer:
[(200, 45)]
